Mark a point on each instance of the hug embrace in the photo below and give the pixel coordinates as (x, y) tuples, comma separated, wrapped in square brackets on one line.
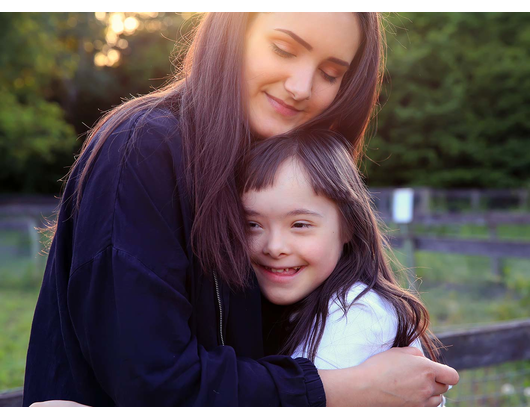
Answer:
[(216, 246)]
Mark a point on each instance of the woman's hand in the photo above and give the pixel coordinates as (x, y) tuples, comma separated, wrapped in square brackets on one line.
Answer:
[(396, 377)]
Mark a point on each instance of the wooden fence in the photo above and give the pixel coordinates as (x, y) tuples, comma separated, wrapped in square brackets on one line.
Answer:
[(470, 348)]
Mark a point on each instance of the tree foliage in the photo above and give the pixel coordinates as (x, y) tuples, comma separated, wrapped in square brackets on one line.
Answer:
[(456, 102), (32, 127), (456, 93)]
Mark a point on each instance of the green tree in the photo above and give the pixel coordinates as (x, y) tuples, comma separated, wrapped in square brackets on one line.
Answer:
[(60, 71), (33, 130), (456, 102)]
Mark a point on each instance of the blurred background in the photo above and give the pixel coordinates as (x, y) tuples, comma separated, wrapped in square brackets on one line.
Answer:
[(453, 127)]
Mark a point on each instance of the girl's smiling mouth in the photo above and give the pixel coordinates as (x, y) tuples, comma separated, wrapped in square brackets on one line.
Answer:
[(272, 272)]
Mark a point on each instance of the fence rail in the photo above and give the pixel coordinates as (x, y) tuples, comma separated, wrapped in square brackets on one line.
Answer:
[(486, 247), (487, 345), (11, 398)]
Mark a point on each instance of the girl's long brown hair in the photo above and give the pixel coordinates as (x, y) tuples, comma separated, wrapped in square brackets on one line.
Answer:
[(206, 97), (327, 162)]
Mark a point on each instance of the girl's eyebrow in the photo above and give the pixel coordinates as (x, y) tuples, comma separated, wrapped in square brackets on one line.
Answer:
[(295, 212), (298, 212)]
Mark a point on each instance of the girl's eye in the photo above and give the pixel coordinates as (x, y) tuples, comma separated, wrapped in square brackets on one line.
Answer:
[(301, 225), (253, 225), (329, 78), (281, 52)]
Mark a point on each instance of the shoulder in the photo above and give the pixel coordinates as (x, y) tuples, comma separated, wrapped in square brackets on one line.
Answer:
[(134, 193), (141, 132), (130, 126), (368, 326), (132, 146), (370, 315), (132, 141), (158, 121), (370, 305)]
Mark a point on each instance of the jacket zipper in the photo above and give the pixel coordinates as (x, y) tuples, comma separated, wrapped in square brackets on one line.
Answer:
[(220, 308)]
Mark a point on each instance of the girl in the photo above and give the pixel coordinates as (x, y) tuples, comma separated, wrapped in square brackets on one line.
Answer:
[(315, 246), (146, 298)]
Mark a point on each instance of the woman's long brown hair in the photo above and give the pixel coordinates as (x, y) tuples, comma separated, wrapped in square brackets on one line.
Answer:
[(325, 158), (206, 97)]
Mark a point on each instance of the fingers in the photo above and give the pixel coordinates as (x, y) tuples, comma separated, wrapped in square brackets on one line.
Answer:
[(435, 401), (446, 375), (440, 388)]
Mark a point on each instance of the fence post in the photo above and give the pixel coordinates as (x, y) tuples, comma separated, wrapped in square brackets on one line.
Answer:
[(495, 262), (523, 200), (403, 215), (408, 247), (475, 201), (424, 205), (34, 237)]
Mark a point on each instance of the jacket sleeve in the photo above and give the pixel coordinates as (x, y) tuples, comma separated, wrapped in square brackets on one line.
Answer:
[(130, 308)]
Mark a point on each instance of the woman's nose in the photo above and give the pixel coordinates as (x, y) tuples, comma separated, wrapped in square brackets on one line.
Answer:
[(300, 83)]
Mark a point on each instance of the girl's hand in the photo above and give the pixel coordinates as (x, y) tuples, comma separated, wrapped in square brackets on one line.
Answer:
[(396, 377)]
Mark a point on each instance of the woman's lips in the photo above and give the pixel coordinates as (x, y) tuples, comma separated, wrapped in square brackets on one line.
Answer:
[(281, 107)]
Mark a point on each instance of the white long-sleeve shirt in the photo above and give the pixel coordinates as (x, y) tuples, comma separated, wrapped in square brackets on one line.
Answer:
[(369, 327)]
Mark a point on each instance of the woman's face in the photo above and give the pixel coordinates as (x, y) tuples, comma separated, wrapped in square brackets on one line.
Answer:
[(293, 66)]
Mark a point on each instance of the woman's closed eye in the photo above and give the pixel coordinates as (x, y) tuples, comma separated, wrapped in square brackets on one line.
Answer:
[(284, 54), (280, 52), (327, 77)]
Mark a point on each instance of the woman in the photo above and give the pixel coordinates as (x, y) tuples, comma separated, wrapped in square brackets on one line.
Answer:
[(146, 298)]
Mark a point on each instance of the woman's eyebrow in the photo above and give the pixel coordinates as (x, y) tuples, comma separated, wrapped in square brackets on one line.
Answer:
[(309, 47), (339, 61), (296, 38)]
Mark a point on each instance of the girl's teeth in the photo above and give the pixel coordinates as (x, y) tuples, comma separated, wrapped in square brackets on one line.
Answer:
[(283, 270)]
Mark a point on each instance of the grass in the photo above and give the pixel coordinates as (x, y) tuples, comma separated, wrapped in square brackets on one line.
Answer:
[(20, 279), (506, 385), (460, 289), (15, 321)]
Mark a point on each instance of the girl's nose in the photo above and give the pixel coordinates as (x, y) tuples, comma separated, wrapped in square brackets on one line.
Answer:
[(300, 83), (276, 245)]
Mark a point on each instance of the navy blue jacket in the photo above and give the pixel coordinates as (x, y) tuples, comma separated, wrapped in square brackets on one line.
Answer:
[(125, 315)]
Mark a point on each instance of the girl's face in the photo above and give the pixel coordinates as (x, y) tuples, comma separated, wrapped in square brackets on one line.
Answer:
[(293, 66), (295, 236)]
